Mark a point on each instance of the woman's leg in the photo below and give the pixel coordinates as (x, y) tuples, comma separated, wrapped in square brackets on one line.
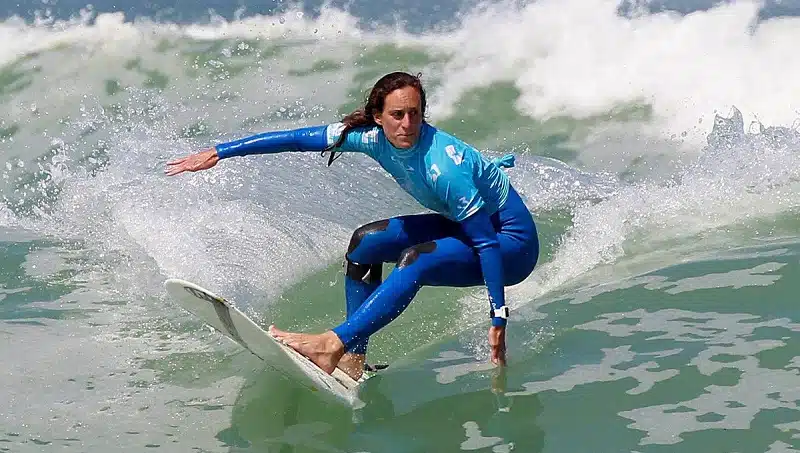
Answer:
[(446, 261), (442, 262), (372, 245)]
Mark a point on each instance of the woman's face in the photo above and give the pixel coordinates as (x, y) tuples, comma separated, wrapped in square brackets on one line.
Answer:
[(401, 118)]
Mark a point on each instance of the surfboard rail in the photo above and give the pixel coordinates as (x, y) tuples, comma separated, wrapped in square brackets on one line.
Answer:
[(224, 317)]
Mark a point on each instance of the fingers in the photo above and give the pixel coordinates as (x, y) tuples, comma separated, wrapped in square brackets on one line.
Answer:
[(497, 342), (175, 169), (178, 161), (186, 163), (176, 166), (499, 355)]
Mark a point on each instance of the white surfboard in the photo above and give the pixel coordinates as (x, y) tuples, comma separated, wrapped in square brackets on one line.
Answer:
[(227, 319)]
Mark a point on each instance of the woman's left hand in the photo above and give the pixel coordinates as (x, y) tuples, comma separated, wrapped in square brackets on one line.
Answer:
[(497, 341)]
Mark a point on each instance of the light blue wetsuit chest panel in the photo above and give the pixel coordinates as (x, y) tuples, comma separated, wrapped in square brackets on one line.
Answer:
[(441, 172)]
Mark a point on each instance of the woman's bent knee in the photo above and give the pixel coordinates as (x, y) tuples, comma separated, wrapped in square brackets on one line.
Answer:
[(361, 232)]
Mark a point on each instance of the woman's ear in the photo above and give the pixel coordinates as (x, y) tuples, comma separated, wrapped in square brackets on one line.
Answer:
[(376, 115)]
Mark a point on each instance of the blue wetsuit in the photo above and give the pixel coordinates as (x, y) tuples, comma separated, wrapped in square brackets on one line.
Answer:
[(481, 232)]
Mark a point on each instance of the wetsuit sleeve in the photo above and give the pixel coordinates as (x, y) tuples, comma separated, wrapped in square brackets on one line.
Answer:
[(453, 176), (306, 139), (480, 232), (316, 138)]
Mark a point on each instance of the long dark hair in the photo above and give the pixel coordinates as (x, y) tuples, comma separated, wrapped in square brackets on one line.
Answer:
[(365, 116)]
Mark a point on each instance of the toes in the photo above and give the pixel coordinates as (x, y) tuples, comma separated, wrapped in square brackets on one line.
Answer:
[(279, 335), (276, 332)]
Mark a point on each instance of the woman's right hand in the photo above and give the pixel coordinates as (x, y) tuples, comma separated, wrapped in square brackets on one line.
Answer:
[(194, 162), (497, 342)]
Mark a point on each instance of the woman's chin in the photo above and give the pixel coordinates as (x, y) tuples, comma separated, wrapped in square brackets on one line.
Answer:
[(403, 143)]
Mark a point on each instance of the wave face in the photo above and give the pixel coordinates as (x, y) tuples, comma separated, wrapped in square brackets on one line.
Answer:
[(657, 146)]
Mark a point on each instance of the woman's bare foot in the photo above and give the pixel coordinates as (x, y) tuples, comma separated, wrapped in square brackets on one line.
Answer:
[(324, 349), (353, 365)]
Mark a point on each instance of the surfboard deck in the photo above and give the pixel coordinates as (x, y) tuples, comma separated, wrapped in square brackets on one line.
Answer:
[(231, 322)]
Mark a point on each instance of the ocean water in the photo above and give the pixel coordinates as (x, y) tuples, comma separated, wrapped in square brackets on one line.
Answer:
[(662, 315)]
